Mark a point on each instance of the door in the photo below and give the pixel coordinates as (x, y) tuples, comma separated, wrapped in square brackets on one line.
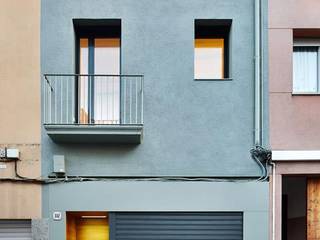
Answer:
[(15, 230), (176, 225), (99, 85)]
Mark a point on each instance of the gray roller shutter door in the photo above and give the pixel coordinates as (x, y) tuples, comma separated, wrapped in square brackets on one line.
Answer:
[(176, 226), (15, 229)]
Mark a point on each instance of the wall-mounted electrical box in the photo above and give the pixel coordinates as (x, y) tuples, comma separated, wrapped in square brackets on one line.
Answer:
[(12, 153), (59, 164)]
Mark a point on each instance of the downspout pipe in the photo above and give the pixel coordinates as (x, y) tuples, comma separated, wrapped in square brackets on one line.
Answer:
[(273, 228), (257, 76)]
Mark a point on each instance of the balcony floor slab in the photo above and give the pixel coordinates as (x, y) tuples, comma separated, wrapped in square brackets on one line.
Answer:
[(78, 133)]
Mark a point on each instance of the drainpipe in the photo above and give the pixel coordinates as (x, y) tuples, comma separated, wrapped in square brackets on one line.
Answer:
[(257, 76), (258, 103), (273, 200)]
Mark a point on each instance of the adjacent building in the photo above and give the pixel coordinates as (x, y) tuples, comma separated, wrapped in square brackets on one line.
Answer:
[(148, 119), (294, 57), (20, 193)]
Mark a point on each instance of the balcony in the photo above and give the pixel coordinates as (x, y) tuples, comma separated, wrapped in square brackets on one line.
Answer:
[(93, 108)]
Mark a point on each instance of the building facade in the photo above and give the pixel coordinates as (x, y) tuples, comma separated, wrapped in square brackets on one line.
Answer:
[(20, 199), (152, 118), (139, 139), (294, 32)]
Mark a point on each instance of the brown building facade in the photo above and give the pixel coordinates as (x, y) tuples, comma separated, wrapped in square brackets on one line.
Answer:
[(20, 113)]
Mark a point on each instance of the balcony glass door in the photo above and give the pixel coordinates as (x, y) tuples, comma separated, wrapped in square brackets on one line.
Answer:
[(99, 92)]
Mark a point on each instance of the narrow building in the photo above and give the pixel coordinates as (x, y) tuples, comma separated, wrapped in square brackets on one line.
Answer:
[(294, 87), (20, 166), (148, 119)]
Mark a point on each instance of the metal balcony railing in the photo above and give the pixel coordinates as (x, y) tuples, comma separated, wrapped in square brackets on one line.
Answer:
[(84, 99)]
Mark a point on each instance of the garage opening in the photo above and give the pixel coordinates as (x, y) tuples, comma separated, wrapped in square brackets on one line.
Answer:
[(154, 225), (87, 226), (294, 208), (300, 207)]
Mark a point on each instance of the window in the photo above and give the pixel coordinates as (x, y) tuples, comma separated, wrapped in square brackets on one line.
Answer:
[(98, 58), (306, 55), (211, 49)]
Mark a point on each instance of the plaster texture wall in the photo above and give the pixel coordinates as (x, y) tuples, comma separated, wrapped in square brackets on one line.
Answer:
[(20, 105), (191, 128), (19, 71), (293, 119), (40, 229), (21, 200)]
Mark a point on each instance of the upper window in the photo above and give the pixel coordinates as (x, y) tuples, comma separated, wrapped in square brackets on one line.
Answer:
[(211, 49), (98, 58), (306, 55)]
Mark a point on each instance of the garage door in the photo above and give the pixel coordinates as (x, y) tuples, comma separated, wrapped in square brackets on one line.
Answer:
[(176, 226), (15, 229)]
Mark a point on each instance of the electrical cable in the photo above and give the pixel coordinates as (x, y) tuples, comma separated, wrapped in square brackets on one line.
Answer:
[(259, 154), (262, 156)]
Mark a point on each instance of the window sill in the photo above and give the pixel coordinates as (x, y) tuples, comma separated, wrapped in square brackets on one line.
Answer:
[(306, 94), (215, 79)]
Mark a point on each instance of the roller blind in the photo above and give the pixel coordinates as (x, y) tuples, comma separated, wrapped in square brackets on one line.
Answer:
[(176, 226), (15, 230), (305, 69)]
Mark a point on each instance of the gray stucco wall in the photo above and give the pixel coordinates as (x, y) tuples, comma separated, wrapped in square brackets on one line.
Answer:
[(191, 128), (162, 196)]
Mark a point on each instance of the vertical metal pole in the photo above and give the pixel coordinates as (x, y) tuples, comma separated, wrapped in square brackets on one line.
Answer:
[(55, 102), (136, 98), (124, 100), (91, 81), (142, 93), (73, 93), (61, 98), (50, 105), (107, 97), (120, 100), (67, 100), (257, 96), (113, 95), (101, 97), (44, 100), (318, 71), (273, 200), (130, 96)]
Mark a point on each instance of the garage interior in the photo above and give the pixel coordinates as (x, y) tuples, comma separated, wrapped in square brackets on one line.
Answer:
[(87, 225), (300, 208)]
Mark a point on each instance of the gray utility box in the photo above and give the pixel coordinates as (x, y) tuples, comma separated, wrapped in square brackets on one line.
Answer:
[(58, 164)]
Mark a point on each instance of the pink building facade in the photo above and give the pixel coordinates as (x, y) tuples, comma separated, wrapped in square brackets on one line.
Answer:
[(294, 95)]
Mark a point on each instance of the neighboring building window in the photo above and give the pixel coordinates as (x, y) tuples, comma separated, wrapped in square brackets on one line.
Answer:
[(306, 54), (99, 43), (211, 49)]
